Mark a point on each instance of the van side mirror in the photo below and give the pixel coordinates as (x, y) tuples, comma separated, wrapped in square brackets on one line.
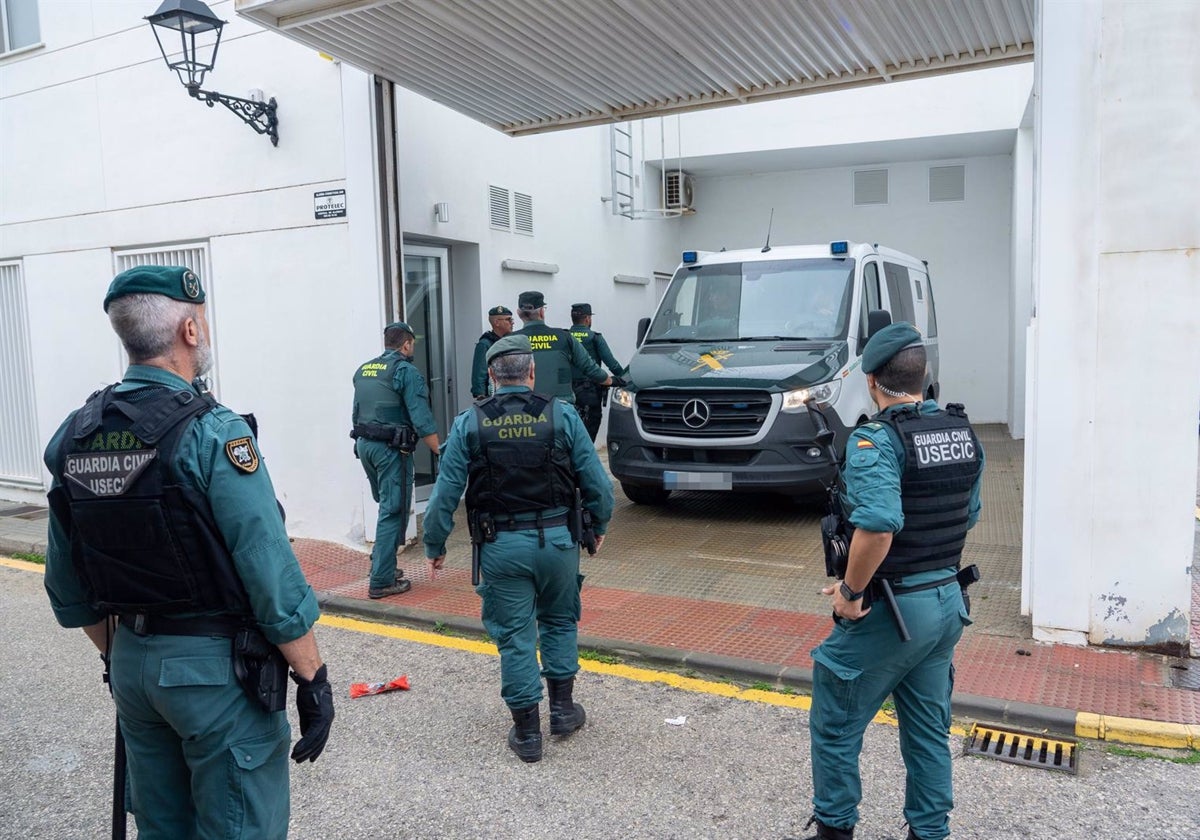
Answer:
[(877, 319), (643, 328)]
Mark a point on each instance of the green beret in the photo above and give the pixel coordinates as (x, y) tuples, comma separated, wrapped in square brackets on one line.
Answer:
[(531, 300), (173, 281), (887, 343), (399, 325), (508, 346), (581, 309), (499, 310)]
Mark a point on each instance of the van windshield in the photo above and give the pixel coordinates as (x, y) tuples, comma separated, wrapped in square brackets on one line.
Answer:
[(798, 299)]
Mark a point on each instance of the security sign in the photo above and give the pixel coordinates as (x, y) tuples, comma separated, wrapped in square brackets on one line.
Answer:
[(104, 473)]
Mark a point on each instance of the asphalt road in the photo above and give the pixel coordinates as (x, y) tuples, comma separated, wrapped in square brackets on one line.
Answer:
[(431, 762)]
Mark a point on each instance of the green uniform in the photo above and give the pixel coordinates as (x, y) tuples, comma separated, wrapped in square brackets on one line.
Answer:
[(204, 759), (479, 371), (558, 360), (530, 586), (389, 391), (863, 661), (589, 399)]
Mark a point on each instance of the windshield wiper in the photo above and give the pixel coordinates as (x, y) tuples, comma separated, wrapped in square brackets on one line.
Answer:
[(775, 338)]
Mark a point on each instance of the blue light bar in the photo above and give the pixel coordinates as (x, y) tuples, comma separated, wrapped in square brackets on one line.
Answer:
[(839, 249), (690, 256)]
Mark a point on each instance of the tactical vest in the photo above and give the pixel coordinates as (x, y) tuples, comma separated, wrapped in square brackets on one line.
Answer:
[(378, 401), (552, 360), (941, 466), (586, 337), (142, 541), (519, 469)]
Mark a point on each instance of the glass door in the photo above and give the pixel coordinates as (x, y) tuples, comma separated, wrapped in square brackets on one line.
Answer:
[(427, 311)]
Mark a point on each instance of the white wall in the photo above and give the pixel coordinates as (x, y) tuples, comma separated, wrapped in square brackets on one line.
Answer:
[(966, 244), (1110, 474)]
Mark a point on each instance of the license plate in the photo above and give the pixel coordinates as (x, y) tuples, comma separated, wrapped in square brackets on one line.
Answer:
[(673, 480)]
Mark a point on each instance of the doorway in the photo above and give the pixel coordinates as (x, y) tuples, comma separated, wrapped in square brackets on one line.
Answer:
[(427, 310)]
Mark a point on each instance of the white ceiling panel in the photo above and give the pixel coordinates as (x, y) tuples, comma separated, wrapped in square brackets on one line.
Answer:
[(524, 66)]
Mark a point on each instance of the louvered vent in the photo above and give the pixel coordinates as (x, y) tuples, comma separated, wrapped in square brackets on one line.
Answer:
[(523, 213), (947, 183), (498, 210), (19, 450), (871, 186)]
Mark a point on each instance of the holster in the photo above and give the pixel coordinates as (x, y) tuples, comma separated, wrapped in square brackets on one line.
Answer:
[(482, 529), (261, 669), (582, 529)]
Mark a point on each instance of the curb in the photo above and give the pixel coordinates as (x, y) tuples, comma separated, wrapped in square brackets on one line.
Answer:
[(1047, 719), (8, 545)]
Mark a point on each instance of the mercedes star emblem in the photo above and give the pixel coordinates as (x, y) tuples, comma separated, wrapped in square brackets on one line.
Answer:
[(696, 414)]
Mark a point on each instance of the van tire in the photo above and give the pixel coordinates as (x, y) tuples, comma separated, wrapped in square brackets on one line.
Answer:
[(641, 494)]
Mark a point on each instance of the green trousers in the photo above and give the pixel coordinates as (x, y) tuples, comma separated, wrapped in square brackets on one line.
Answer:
[(391, 477), (854, 671), (205, 761), (531, 596)]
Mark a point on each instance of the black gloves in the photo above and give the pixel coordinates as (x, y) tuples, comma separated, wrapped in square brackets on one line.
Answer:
[(314, 702), (618, 382)]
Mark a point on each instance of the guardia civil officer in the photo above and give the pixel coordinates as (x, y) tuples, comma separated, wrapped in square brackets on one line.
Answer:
[(560, 358), (590, 397), (166, 545), (391, 413), (520, 456), (911, 482), (500, 318)]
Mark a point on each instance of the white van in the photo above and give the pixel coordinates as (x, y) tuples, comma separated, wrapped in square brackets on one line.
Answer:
[(716, 391)]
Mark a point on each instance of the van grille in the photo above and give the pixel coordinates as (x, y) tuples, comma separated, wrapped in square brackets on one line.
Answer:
[(703, 414)]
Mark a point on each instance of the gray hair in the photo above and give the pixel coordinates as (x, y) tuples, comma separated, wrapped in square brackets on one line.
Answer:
[(147, 323), (512, 369)]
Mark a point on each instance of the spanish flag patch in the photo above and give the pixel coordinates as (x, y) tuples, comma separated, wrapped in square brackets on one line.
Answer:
[(865, 444)]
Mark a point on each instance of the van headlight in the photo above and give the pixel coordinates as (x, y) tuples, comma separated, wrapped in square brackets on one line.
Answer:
[(825, 394), (622, 397)]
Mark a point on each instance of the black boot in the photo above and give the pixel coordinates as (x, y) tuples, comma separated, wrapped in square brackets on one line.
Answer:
[(825, 832), (525, 738), (565, 715)]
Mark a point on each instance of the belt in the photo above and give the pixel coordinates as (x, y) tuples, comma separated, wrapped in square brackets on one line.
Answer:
[(921, 587), (226, 626), (531, 524)]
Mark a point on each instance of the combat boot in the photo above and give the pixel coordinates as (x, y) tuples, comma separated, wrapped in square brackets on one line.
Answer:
[(825, 832), (565, 715), (525, 738)]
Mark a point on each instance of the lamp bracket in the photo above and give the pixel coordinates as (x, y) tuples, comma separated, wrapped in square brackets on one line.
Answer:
[(260, 116)]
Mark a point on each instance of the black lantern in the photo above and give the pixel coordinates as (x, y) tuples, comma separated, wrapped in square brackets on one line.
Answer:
[(199, 35)]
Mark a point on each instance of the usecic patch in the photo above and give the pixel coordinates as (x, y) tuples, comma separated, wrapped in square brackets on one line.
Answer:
[(242, 454)]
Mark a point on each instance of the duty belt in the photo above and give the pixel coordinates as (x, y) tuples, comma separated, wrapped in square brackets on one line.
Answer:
[(226, 626), (531, 524)]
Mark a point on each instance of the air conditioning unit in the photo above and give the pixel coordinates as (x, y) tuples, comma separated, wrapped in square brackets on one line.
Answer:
[(679, 191)]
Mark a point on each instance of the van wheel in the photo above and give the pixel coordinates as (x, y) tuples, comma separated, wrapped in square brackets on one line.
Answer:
[(640, 494)]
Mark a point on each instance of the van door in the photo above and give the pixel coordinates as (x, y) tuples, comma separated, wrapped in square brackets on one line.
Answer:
[(870, 299)]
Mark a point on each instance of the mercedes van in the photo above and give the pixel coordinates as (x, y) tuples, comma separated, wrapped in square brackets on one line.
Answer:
[(715, 398)]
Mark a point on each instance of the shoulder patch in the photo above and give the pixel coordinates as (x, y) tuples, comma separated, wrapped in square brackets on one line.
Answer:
[(865, 444), (242, 454), (874, 424)]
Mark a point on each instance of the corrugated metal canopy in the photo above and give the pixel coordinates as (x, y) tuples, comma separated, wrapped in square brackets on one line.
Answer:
[(524, 66)]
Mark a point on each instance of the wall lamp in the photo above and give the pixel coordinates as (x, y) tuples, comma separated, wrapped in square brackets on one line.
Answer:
[(199, 36)]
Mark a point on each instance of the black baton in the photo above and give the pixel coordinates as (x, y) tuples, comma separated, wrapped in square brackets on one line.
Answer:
[(901, 627), (118, 800)]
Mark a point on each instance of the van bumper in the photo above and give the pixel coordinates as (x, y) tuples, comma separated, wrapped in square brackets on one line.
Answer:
[(786, 460)]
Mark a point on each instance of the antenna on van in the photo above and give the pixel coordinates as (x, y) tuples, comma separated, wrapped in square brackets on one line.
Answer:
[(767, 247)]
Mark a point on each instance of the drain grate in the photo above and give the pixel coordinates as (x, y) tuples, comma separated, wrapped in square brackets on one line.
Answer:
[(1017, 747)]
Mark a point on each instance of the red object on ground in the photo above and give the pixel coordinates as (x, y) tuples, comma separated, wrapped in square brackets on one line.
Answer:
[(367, 689)]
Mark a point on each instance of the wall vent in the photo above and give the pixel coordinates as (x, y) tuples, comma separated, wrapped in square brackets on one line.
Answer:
[(19, 450), (947, 183), (871, 186), (498, 208), (523, 213)]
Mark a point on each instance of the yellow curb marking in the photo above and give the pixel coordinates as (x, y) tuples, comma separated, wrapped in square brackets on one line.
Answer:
[(1149, 733), (24, 565)]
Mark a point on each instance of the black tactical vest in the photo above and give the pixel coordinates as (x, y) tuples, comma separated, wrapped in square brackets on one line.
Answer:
[(378, 401), (518, 469), (141, 540), (941, 466), (552, 360)]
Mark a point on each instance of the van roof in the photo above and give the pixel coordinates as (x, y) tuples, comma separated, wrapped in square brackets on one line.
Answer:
[(856, 250)]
